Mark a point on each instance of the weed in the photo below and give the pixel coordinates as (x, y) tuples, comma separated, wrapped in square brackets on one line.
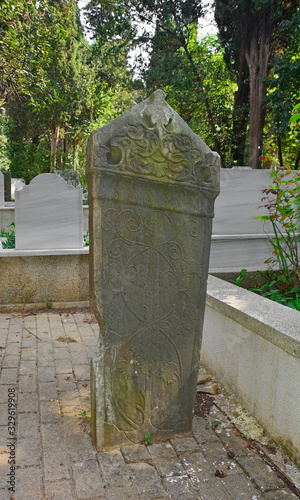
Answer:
[(84, 416), (147, 439), (48, 302), (240, 277), (213, 424), (67, 340)]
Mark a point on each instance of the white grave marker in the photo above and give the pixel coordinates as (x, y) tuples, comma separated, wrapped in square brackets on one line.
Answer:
[(48, 214)]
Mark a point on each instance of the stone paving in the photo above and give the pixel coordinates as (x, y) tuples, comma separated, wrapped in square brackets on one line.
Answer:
[(45, 374)]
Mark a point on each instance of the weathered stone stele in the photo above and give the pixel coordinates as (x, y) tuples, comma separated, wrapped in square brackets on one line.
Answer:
[(152, 185)]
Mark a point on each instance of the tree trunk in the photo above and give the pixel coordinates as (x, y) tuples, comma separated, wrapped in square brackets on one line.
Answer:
[(258, 56), (241, 112), (280, 157), (74, 155), (54, 140), (297, 160)]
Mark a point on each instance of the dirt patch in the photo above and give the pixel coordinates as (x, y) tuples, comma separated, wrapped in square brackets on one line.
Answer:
[(203, 404)]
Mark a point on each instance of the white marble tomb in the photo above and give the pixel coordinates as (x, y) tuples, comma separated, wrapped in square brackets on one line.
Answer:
[(48, 214)]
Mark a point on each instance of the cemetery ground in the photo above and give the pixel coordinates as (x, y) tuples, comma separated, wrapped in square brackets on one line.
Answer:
[(46, 449)]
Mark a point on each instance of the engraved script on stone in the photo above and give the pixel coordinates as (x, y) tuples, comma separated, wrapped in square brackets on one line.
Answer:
[(152, 185)]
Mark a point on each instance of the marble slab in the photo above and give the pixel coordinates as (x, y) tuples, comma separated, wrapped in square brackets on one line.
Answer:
[(48, 214), (239, 201)]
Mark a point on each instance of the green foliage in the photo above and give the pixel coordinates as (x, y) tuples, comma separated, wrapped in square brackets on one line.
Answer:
[(240, 277), (86, 240), (10, 237), (85, 416), (282, 201), (147, 439), (48, 302), (213, 424)]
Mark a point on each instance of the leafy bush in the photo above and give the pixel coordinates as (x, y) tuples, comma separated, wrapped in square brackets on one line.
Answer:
[(10, 237), (282, 201)]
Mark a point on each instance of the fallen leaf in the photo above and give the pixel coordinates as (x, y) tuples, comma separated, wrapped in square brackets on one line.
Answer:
[(220, 473), (25, 336)]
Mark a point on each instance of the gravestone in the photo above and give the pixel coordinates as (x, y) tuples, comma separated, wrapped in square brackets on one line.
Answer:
[(48, 214), (16, 185), (152, 185), (2, 198)]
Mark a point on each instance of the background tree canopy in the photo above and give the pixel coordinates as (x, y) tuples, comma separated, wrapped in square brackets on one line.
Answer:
[(236, 88)]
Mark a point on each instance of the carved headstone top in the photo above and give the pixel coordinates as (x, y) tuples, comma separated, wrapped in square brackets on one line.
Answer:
[(152, 141)]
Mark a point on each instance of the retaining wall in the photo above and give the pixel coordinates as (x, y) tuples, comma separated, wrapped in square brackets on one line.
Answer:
[(252, 346)]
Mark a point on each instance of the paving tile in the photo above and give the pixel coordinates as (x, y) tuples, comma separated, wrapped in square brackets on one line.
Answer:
[(27, 402), (80, 447), (216, 455), (13, 348), (56, 463), (121, 493), (63, 366), (61, 353), (203, 478), (82, 372), (72, 424), (260, 472), (28, 452), (47, 391), (113, 468), (4, 494), (241, 487), (52, 434), (235, 443), (28, 354), (283, 494), (135, 453), (50, 411), (147, 482), (88, 483), (29, 483), (185, 444), (28, 425), (201, 433), (59, 490), (65, 383), (27, 383), (28, 368), (3, 414), (46, 374), (180, 488), (11, 361), (9, 376), (166, 460), (3, 394)]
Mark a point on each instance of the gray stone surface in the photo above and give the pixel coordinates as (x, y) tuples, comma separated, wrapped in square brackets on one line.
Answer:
[(152, 185), (48, 214), (57, 461)]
